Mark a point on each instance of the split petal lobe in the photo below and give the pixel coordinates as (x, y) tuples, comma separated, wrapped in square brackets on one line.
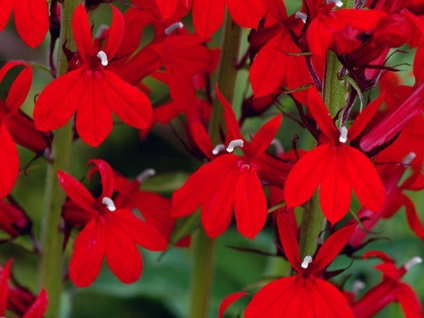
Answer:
[(122, 254), (116, 33), (75, 191), (365, 117), (82, 32), (263, 138), (9, 158), (39, 306), (246, 13), (335, 191), (88, 254), (290, 244), (127, 102), (233, 130), (412, 215), (208, 16), (229, 300), (94, 120), (141, 232), (365, 180), (107, 176), (321, 114), (306, 175), (250, 206), (5, 11), (19, 90), (9, 65), (32, 21), (332, 247), (411, 304), (4, 286), (59, 101)]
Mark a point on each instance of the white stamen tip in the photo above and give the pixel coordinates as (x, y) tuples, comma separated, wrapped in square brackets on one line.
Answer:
[(145, 174), (300, 15), (109, 203), (338, 3), (218, 149), (357, 286), (173, 27), (306, 261), (278, 146), (103, 58), (408, 158), (412, 262), (343, 134), (233, 144)]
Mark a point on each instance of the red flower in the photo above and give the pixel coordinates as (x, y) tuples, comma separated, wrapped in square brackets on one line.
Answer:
[(389, 289), (336, 166), (31, 19), (305, 295), (228, 182), (109, 232), (90, 90)]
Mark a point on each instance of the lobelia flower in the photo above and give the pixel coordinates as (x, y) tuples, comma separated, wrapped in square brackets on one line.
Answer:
[(390, 289), (229, 182), (90, 89), (336, 167), (31, 19), (19, 300), (305, 295), (109, 231)]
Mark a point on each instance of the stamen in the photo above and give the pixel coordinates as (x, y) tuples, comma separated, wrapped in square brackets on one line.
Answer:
[(412, 262), (306, 261), (218, 149), (109, 203), (408, 158), (343, 134), (233, 144), (338, 3), (103, 57), (278, 146), (145, 174), (302, 16), (357, 286), (173, 27)]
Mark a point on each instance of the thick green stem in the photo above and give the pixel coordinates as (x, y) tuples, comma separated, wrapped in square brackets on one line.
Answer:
[(203, 246), (334, 90), (51, 234)]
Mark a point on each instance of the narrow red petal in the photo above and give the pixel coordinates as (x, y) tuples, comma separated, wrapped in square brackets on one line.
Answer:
[(233, 129), (116, 33), (411, 304), (75, 190), (39, 306), (32, 21), (246, 13), (264, 136), (122, 254), (365, 180), (88, 254), (335, 191), (208, 16), (4, 286), (306, 175), (289, 243), (228, 301), (107, 176), (82, 32), (5, 11), (250, 206), (19, 90), (9, 158)]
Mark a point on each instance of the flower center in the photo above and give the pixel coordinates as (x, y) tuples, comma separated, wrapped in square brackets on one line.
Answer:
[(306, 261), (233, 144), (343, 134), (103, 58), (109, 204)]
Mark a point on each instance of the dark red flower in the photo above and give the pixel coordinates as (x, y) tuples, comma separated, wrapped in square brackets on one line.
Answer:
[(109, 232), (305, 295), (31, 19), (336, 166), (90, 90)]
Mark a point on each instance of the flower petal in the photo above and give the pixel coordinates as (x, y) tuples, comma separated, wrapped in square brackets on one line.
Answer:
[(19, 90), (38, 307), (229, 300), (4, 286), (116, 33), (107, 176), (250, 206), (208, 16), (264, 136), (9, 158), (5, 11), (82, 32), (88, 254), (75, 190), (246, 13), (122, 254)]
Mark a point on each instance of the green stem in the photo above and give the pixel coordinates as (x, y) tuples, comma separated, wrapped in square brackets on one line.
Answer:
[(51, 234), (334, 90), (203, 246)]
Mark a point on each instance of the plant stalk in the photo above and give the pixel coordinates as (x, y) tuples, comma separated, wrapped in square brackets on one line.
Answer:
[(203, 246), (51, 267)]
